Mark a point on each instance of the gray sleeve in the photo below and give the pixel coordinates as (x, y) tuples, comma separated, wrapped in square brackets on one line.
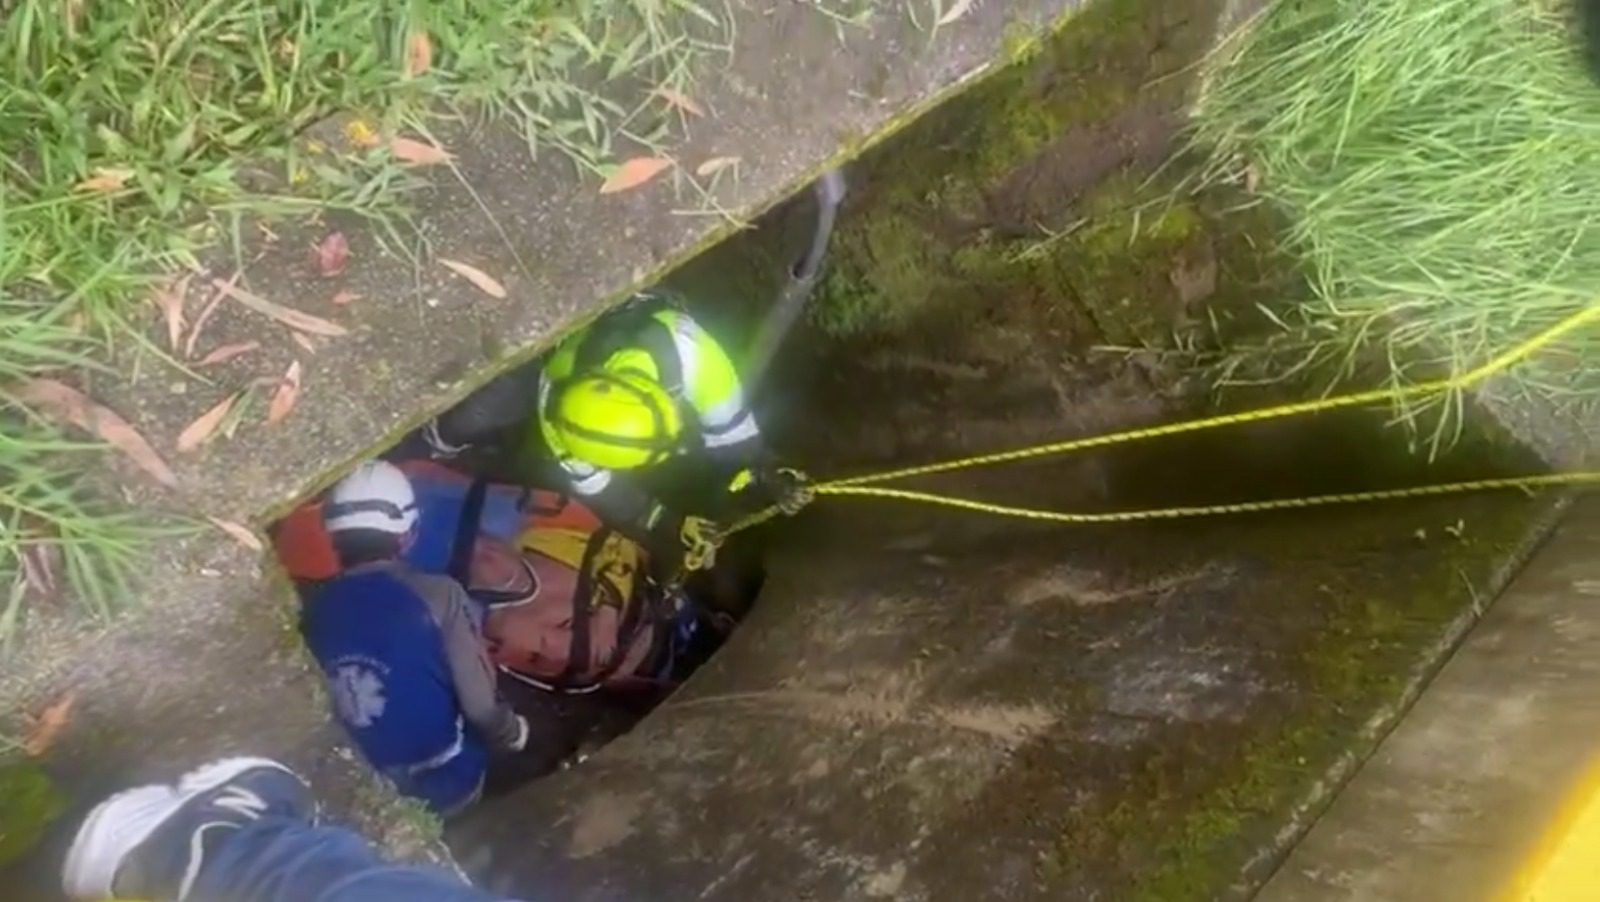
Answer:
[(470, 668)]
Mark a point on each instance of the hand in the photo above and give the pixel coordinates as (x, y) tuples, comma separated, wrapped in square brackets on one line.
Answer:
[(789, 488)]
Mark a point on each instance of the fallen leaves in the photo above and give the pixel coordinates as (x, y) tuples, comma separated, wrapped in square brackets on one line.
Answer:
[(67, 404), (104, 181), (290, 317), (239, 533), (484, 282), (956, 11), (419, 54), (635, 172), (331, 255), (228, 352), (47, 726), (419, 153), (200, 321), (169, 298), (715, 165), (681, 100), (284, 398), (202, 430), (345, 296)]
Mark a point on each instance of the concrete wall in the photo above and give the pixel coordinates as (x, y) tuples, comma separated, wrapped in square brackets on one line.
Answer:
[(931, 705)]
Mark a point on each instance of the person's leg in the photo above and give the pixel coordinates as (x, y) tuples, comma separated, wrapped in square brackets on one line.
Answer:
[(243, 830), (286, 860)]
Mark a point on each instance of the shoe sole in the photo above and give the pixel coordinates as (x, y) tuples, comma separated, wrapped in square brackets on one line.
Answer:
[(113, 829), (121, 823)]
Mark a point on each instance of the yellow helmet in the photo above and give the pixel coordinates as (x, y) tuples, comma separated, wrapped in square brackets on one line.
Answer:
[(619, 420)]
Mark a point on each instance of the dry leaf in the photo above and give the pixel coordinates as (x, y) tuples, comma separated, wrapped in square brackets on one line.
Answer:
[(38, 562), (419, 54), (104, 180), (283, 400), (681, 100), (956, 11), (331, 255), (204, 429), (345, 296), (48, 725), (68, 404), (715, 165), (360, 134), (421, 153), (305, 342), (238, 533), (635, 172), (228, 352), (169, 299), (486, 283), (205, 313), (292, 318)]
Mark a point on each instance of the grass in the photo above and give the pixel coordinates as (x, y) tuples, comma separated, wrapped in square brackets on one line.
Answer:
[(1435, 162), (135, 137)]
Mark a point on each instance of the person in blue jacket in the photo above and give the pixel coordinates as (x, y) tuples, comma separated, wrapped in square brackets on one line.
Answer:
[(408, 673)]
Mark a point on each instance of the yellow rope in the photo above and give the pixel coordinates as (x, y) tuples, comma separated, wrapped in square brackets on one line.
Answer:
[(1471, 377), (859, 486), (1211, 510)]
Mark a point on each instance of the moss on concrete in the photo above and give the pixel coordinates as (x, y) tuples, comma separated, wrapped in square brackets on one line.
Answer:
[(943, 212), (29, 804), (1369, 655)]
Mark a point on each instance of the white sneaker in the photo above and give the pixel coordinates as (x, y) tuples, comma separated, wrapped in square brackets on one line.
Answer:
[(151, 842)]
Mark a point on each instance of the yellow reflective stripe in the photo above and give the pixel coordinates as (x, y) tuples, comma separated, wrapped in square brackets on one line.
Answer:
[(564, 359), (710, 380)]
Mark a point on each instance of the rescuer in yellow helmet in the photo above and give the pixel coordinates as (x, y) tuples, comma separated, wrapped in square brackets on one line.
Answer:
[(639, 388)]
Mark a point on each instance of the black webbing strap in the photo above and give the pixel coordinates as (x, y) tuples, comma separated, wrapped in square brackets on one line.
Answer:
[(466, 538), (578, 651)]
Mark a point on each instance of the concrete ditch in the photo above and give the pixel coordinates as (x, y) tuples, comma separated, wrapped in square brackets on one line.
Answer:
[(923, 702)]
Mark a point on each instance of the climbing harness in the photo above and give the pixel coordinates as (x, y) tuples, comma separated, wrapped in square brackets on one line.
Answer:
[(869, 485)]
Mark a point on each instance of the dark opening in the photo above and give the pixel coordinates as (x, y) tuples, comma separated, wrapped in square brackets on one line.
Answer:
[(497, 514)]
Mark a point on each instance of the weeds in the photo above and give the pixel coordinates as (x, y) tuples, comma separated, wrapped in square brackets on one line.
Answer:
[(1435, 160), (136, 136)]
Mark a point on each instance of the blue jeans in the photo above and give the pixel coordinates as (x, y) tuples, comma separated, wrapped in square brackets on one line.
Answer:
[(284, 860)]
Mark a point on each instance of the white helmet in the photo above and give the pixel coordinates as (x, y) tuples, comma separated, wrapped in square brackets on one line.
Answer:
[(376, 496)]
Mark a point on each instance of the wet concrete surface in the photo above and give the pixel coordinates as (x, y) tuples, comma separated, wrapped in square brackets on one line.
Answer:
[(1458, 799), (930, 705)]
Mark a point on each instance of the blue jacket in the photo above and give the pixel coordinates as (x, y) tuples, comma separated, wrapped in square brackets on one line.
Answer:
[(408, 678)]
